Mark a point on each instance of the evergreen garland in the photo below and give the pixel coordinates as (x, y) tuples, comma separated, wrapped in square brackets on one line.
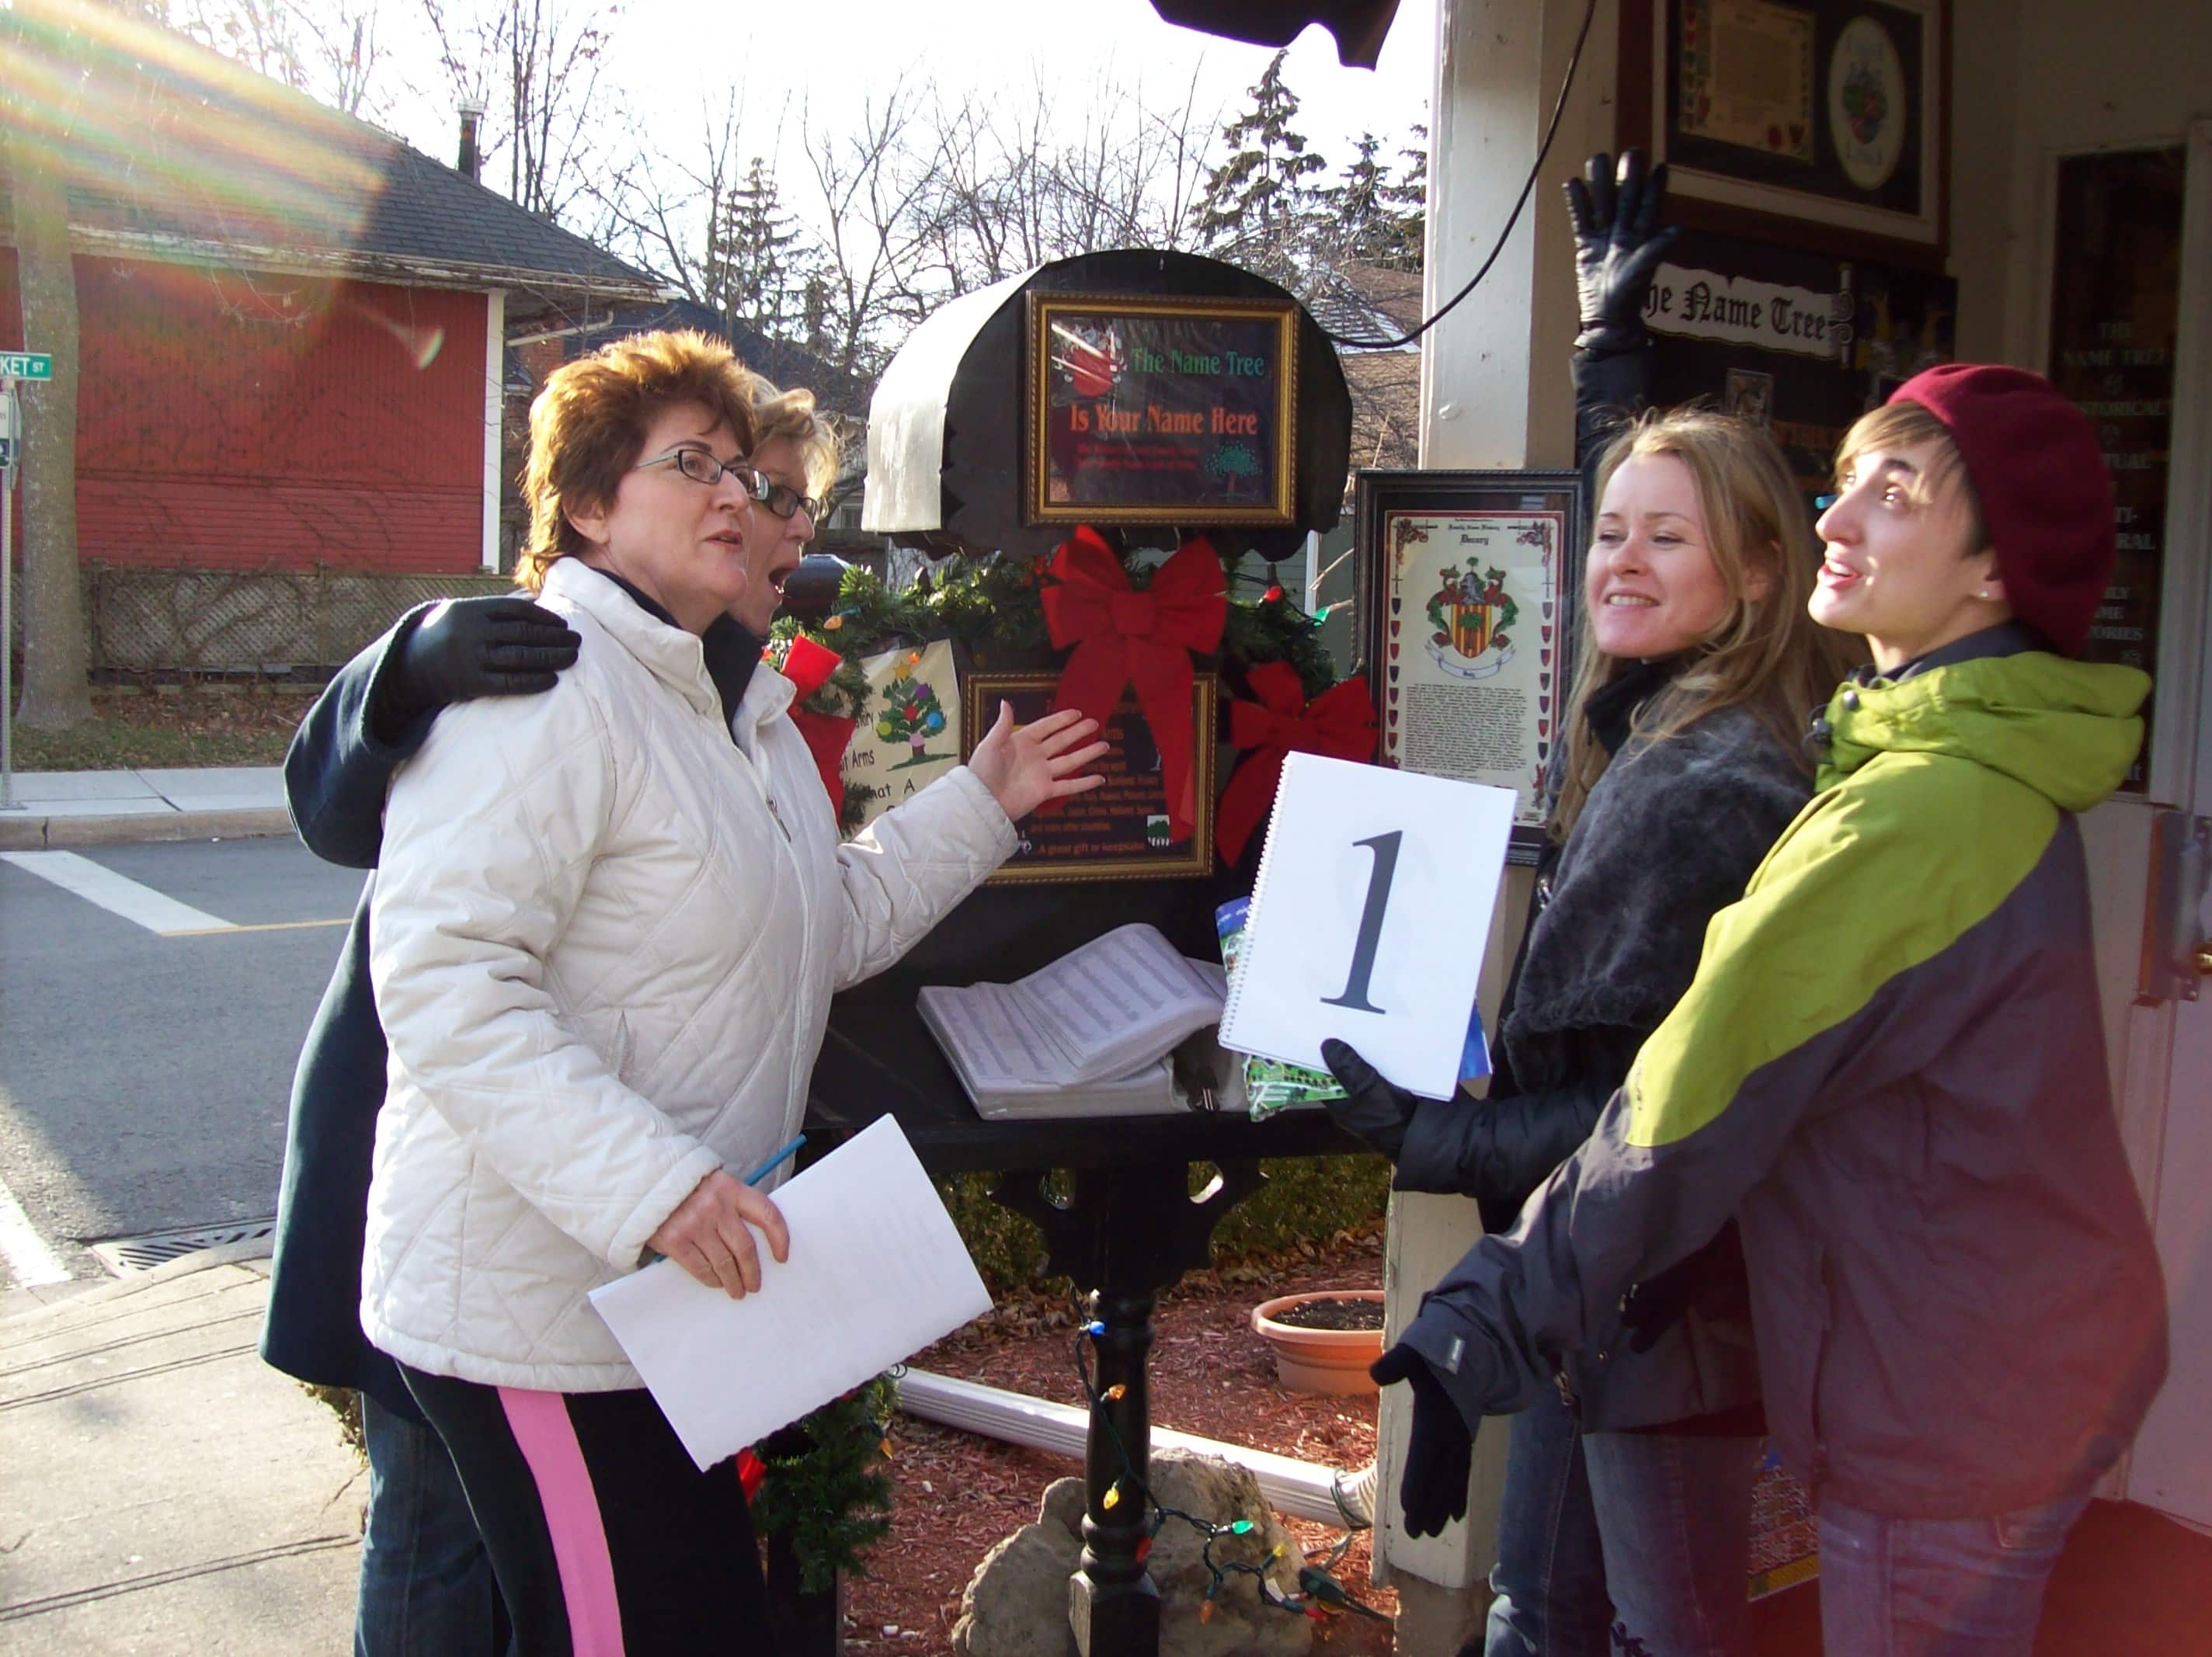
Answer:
[(826, 1486), (990, 609)]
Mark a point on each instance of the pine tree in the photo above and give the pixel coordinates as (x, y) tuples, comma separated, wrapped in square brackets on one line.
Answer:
[(1258, 207), (760, 271), (1361, 223), (1405, 201)]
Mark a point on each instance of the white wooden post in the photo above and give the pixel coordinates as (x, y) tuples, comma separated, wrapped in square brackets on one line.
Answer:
[(1494, 393)]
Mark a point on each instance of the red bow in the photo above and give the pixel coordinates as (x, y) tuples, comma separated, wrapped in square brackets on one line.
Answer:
[(1122, 637), (1340, 723), (808, 666)]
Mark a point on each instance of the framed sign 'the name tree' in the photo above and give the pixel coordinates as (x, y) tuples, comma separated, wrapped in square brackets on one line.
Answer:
[(1161, 410)]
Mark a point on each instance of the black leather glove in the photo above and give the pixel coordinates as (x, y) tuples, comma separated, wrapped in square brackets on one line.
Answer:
[(1710, 1282), (1439, 1456), (1618, 247), (1377, 1112), (465, 648)]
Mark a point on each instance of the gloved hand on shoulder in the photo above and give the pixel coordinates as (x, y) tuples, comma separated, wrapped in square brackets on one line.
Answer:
[(1619, 245), (1439, 1454), (1377, 1112), (465, 648)]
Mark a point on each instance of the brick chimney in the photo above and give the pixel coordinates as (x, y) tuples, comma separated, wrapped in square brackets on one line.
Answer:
[(471, 160)]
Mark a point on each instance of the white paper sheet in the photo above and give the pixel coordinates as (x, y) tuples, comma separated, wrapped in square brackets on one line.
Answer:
[(1119, 999), (1322, 868), (876, 1272), (990, 1030)]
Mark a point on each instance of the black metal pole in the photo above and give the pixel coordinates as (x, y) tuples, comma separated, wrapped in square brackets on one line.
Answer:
[(1126, 1233), (1114, 1605)]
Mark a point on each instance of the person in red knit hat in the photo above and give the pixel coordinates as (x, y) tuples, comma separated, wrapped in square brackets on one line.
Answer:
[(2035, 511), (1890, 1069)]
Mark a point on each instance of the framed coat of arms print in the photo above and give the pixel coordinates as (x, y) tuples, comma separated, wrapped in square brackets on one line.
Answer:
[(1468, 589)]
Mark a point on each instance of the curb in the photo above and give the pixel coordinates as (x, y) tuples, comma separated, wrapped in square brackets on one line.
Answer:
[(28, 833), (244, 1252)]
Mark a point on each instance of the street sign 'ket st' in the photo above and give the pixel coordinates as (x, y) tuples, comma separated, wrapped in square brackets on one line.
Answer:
[(25, 365)]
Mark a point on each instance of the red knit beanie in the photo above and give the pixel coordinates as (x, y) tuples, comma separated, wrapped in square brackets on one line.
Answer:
[(2045, 494)]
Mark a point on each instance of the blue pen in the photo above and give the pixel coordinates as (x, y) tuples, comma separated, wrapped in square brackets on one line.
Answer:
[(651, 1256), (776, 1161)]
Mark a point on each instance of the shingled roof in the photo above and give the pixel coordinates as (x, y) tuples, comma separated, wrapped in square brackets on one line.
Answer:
[(782, 363), (1372, 301), (172, 152)]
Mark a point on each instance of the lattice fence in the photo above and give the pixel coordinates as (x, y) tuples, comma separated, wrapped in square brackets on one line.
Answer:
[(281, 624)]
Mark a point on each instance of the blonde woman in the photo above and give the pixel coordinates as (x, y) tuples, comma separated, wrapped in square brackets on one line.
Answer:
[(1685, 761)]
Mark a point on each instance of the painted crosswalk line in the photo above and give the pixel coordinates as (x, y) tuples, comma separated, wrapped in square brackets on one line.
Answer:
[(117, 894), (31, 1263)]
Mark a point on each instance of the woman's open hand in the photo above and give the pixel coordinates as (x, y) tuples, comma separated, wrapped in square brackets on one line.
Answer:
[(1024, 766), (708, 1234)]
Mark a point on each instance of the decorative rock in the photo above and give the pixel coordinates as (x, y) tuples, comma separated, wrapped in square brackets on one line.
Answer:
[(1243, 1624), (1063, 1506), (1016, 1604)]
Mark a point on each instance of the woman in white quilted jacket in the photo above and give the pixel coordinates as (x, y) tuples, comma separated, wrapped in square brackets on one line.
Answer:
[(603, 938)]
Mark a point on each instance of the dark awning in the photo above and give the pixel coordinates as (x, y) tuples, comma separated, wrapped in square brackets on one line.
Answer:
[(1357, 25), (945, 451)]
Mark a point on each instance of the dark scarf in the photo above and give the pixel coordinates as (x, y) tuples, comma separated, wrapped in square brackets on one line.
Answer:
[(1613, 706), (2005, 639), (731, 653)]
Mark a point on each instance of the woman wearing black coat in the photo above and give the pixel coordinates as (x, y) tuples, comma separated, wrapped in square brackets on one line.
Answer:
[(426, 1587)]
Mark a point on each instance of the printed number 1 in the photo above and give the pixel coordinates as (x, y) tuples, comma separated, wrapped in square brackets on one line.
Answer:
[(1385, 848)]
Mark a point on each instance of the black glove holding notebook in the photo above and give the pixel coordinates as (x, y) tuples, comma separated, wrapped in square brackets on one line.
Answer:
[(1375, 1111)]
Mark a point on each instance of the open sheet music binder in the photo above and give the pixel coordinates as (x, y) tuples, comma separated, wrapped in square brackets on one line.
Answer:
[(1090, 1034)]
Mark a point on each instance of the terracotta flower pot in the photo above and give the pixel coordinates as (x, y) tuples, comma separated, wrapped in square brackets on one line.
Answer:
[(1320, 1360)]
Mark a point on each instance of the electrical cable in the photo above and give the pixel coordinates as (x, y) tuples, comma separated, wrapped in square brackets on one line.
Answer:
[(1527, 188)]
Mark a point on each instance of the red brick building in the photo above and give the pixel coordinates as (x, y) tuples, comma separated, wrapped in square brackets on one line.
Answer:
[(291, 325)]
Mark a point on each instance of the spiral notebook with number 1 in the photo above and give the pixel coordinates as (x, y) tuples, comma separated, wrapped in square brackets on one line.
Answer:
[(1369, 918)]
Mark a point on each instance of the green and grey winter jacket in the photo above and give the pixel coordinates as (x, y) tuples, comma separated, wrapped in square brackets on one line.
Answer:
[(1891, 1067)]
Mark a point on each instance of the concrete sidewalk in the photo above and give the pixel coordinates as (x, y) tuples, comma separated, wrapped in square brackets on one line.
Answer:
[(166, 1491), (120, 808)]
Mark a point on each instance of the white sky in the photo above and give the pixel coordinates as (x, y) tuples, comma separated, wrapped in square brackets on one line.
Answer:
[(672, 57)]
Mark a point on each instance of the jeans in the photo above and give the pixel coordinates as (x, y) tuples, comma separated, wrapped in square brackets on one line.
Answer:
[(1633, 1543), (1673, 1515), (1549, 1580), (426, 1584), (1938, 1587)]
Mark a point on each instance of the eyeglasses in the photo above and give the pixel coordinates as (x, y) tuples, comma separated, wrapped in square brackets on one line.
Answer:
[(701, 467), (783, 500)]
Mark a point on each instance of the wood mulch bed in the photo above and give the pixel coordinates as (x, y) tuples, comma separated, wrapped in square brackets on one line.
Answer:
[(1211, 1375)]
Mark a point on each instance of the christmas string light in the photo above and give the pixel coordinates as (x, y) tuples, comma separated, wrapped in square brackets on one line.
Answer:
[(1319, 1594)]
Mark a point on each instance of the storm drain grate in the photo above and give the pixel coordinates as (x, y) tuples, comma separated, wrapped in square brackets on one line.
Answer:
[(125, 1255)]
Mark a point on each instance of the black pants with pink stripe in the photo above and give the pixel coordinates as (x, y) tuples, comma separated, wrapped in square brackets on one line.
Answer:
[(606, 1540)]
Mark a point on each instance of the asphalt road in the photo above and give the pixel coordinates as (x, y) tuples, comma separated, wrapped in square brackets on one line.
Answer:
[(145, 1062)]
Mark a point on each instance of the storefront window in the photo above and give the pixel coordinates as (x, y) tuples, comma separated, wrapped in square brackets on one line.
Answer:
[(2114, 311)]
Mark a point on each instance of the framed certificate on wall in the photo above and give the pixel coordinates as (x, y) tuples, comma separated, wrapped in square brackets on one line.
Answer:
[(1468, 586), (1813, 124)]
